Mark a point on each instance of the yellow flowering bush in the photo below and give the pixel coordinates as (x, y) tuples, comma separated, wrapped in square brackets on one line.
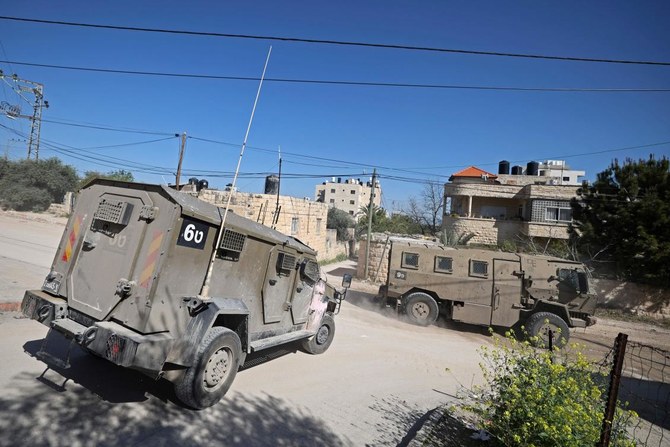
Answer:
[(535, 397)]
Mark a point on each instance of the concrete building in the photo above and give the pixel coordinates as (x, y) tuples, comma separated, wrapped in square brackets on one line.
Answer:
[(349, 196), (503, 206)]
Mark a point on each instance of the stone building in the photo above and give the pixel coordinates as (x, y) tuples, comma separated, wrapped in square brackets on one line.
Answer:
[(503, 207), (300, 218), (349, 196)]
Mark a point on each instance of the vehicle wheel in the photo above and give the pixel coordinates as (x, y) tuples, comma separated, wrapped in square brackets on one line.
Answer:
[(320, 342), (539, 324), (215, 366), (421, 308)]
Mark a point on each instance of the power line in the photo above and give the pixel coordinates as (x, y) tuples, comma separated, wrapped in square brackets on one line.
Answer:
[(336, 42), (345, 83), (113, 129)]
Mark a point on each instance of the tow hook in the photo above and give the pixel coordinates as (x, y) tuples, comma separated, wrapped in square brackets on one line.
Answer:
[(124, 288)]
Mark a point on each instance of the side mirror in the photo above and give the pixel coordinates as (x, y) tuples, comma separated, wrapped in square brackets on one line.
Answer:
[(346, 280)]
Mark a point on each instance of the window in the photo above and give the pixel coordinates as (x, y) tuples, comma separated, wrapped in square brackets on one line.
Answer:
[(332, 190), (332, 200), (353, 191), (319, 221), (443, 264), (351, 212), (566, 179), (558, 214), (352, 202), (568, 278), (479, 268), (410, 260), (295, 225)]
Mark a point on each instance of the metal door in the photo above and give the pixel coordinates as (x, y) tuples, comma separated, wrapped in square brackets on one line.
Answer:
[(506, 297), (278, 285), (108, 254), (303, 289)]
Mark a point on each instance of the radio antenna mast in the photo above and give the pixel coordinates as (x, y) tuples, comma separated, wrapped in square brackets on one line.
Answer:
[(204, 292), (275, 217)]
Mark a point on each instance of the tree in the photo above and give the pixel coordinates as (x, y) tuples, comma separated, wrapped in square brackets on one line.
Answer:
[(120, 174), (32, 185), (379, 220), (403, 224), (427, 209), (341, 221), (623, 219)]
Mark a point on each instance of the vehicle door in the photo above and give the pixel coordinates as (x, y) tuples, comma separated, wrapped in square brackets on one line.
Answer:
[(108, 254), (278, 285), (307, 276), (506, 297)]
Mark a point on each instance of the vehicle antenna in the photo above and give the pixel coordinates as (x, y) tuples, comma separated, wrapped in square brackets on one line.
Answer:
[(275, 217), (204, 292)]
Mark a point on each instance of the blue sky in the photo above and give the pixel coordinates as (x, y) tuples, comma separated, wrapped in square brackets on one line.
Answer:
[(411, 135)]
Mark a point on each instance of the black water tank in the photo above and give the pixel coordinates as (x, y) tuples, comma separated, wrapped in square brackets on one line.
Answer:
[(532, 168), (193, 181), (271, 184), (517, 170), (503, 167), (203, 184)]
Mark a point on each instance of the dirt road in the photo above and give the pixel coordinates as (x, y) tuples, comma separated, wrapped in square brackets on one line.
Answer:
[(371, 387), (27, 247)]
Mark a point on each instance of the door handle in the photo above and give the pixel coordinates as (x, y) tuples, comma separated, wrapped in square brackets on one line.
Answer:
[(273, 282)]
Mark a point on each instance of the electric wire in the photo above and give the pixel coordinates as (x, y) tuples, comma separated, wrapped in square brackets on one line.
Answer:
[(109, 128), (336, 42), (346, 83)]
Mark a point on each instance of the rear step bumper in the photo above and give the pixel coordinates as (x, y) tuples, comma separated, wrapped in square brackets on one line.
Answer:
[(107, 339)]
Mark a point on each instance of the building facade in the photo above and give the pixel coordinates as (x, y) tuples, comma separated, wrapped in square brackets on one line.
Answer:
[(503, 207), (300, 218), (349, 196)]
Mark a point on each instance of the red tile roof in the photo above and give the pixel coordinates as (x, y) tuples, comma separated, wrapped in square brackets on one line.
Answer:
[(473, 172)]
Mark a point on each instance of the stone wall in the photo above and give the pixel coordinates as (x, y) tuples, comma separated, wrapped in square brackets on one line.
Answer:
[(487, 231), (300, 218), (334, 248)]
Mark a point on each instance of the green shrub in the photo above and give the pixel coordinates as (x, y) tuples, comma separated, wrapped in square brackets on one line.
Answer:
[(25, 198), (508, 246), (534, 397)]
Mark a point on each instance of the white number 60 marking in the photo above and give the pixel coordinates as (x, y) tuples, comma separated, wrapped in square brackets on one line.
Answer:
[(191, 234)]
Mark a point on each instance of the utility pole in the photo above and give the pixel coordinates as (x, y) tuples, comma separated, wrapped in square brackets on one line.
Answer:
[(370, 213), (181, 158), (21, 86)]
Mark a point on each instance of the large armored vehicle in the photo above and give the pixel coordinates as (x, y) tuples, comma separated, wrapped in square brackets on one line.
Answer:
[(547, 295), (128, 278)]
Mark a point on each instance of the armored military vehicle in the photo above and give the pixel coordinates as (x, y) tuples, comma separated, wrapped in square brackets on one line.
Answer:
[(126, 284), (547, 295)]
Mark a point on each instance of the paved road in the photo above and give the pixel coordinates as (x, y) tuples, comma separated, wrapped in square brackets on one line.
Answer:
[(373, 385)]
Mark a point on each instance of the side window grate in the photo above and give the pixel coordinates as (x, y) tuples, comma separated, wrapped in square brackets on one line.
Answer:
[(479, 268), (112, 211), (410, 260), (233, 241), (285, 262)]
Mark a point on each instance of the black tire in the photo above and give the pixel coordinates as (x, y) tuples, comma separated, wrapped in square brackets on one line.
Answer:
[(539, 324), (421, 309), (320, 342), (215, 366)]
